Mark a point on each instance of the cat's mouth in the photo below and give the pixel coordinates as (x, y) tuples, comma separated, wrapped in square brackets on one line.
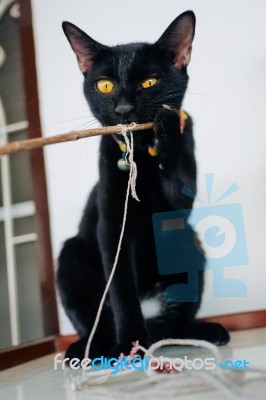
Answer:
[(134, 120), (128, 121), (141, 138), (137, 117)]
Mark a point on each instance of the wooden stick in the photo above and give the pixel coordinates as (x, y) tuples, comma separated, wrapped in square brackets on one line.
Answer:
[(30, 144)]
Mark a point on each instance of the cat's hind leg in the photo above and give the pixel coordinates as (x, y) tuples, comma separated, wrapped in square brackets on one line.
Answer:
[(176, 327), (213, 332), (177, 320), (81, 284)]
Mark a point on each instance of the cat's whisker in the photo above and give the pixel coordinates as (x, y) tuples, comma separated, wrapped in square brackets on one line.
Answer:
[(168, 97), (203, 85), (197, 90), (50, 126), (88, 124), (85, 141), (91, 117), (203, 94), (170, 91), (165, 95)]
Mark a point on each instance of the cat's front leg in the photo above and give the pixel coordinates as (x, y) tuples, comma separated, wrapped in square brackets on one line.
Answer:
[(123, 292), (177, 165)]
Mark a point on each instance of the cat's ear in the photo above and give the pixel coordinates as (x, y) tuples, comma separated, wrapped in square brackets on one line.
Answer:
[(178, 37), (83, 45)]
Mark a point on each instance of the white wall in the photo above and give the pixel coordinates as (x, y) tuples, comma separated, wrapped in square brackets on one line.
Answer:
[(226, 97)]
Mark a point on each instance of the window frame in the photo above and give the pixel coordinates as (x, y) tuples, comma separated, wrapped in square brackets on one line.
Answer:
[(17, 354)]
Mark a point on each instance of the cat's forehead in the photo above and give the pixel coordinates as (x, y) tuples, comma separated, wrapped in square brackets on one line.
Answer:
[(129, 60), (126, 59)]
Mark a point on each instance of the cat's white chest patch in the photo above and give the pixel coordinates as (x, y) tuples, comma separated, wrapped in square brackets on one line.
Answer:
[(150, 307)]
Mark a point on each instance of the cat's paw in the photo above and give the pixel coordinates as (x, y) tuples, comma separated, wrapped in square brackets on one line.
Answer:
[(77, 350), (167, 122), (211, 331)]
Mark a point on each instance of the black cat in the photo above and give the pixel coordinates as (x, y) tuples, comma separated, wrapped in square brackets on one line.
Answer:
[(137, 82)]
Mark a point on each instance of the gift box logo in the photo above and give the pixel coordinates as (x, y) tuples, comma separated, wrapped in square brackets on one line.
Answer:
[(222, 239)]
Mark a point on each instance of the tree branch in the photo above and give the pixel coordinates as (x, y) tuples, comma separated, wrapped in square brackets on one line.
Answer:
[(30, 144)]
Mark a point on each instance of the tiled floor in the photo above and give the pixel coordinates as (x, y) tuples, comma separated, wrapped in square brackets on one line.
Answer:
[(37, 380)]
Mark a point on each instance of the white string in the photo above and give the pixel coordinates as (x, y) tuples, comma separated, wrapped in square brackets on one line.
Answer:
[(131, 185), (186, 342)]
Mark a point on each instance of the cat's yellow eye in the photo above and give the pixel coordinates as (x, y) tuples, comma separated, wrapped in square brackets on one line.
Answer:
[(149, 82), (104, 85)]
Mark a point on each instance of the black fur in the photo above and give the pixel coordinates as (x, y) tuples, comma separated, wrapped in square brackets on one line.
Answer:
[(86, 260)]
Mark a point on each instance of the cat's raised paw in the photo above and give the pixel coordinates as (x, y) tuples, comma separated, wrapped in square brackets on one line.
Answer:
[(167, 122)]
